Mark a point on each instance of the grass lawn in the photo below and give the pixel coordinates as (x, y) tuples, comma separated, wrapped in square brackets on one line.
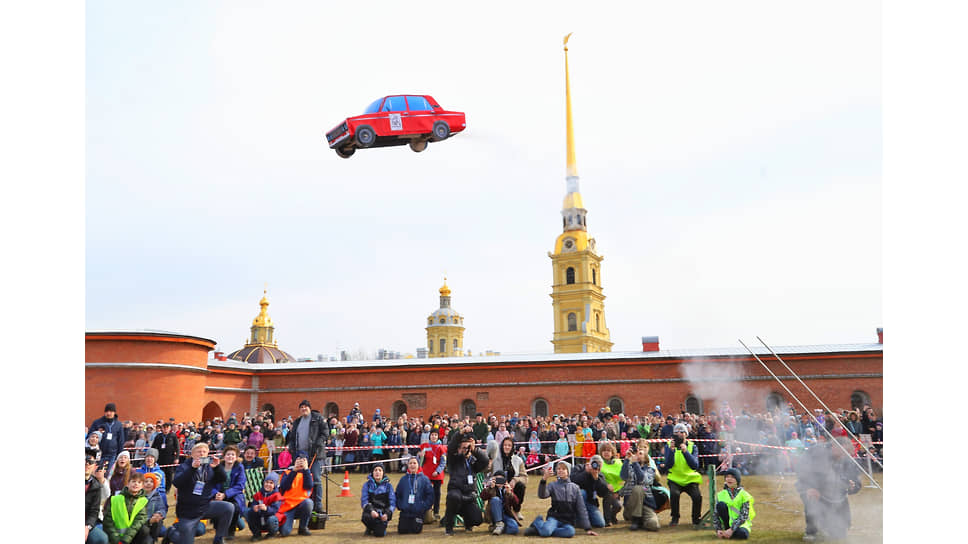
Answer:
[(779, 518)]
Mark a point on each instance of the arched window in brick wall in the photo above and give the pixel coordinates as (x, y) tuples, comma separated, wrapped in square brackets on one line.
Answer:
[(468, 408), (616, 405), (539, 408), (693, 404), (331, 410), (212, 411), (269, 408), (399, 408), (774, 401), (858, 399)]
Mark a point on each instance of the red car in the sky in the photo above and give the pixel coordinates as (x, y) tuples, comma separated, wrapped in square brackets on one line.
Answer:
[(396, 120)]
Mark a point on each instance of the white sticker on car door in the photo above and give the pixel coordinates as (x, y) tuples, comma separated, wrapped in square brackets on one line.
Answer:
[(395, 122)]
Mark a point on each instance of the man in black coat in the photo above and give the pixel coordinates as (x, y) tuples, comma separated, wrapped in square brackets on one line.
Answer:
[(464, 462), (112, 439), (309, 433), (167, 445)]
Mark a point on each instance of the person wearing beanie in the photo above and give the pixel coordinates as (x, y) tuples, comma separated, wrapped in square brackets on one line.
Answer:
[(567, 507), (593, 485), (113, 436), (296, 485), (378, 501), (167, 445), (498, 495), (157, 507), (195, 480), (150, 466), (309, 434), (642, 499), (415, 497), (734, 508), (681, 464), (433, 460), (261, 514), (465, 462)]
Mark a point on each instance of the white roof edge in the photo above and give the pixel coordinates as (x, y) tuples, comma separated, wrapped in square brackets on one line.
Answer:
[(550, 357)]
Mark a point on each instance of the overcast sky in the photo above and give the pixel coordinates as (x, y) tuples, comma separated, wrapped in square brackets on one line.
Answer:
[(729, 157)]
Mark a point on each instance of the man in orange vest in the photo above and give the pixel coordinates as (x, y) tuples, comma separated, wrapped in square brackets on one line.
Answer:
[(296, 486)]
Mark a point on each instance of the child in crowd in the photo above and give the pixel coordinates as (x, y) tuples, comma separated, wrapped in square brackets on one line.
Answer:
[(125, 513), (261, 514), (734, 508)]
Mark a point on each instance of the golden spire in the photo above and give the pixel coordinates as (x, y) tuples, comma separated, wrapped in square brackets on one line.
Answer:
[(572, 196), (572, 166), (445, 291), (263, 319)]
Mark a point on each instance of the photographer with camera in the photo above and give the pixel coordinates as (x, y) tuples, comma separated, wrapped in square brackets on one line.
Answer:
[(501, 502), (465, 461), (641, 500), (195, 480), (681, 463)]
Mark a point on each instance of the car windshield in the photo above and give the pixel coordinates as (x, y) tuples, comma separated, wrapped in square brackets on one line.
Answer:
[(374, 107)]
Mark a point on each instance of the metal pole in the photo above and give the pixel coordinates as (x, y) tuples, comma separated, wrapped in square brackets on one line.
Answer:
[(824, 428), (825, 407)]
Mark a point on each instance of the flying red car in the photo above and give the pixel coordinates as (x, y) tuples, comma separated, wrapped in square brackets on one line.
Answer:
[(396, 120)]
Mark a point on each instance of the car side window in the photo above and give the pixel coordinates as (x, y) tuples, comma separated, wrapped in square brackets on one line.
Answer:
[(374, 107), (418, 103), (395, 103)]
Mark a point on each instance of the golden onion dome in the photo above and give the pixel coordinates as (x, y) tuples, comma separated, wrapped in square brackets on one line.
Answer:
[(445, 291)]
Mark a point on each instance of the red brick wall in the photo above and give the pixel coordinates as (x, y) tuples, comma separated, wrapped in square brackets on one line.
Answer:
[(149, 394)]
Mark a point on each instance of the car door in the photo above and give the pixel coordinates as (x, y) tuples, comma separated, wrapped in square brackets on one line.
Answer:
[(421, 115), (395, 120)]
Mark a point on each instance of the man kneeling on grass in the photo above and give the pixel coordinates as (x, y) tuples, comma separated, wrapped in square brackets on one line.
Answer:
[(734, 508), (567, 506)]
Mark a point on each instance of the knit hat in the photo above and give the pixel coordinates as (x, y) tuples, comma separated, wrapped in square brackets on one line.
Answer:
[(305, 403), (152, 452), (109, 407), (124, 454), (735, 473), (380, 466), (301, 454), (154, 477), (274, 476), (680, 428)]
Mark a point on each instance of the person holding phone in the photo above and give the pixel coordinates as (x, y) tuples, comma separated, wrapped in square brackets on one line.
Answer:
[(195, 479), (567, 506)]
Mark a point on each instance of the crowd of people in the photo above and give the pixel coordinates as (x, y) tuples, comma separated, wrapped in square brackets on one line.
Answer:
[(265, 472)]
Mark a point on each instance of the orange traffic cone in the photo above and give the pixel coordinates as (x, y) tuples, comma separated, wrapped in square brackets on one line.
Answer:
[(345, 490)]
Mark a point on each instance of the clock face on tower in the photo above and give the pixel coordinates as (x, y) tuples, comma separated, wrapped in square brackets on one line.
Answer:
[(568, 245)]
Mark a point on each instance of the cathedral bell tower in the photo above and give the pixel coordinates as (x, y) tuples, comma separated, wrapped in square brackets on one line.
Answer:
[(445, 329), (577, 299)]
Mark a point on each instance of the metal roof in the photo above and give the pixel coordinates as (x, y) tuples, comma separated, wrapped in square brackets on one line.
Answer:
[(699, 353)]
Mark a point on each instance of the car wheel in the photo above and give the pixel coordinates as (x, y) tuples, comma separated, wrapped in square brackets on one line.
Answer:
[(418, 145), (365, 136), (345, 152), (441, 131)]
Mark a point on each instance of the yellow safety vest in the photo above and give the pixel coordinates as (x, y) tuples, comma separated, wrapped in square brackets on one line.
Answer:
[(680, 472), (612, 474), (735, 503), (119, 512)]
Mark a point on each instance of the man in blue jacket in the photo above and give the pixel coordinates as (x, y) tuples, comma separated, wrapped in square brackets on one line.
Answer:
[(415, 496), (112, 439), (195, 479)]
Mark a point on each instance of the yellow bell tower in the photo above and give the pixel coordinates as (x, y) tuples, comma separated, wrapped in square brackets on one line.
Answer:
[(577, 299), (445, 329)]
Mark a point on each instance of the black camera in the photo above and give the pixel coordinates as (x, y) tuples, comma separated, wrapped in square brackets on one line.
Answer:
[(677, 440)]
